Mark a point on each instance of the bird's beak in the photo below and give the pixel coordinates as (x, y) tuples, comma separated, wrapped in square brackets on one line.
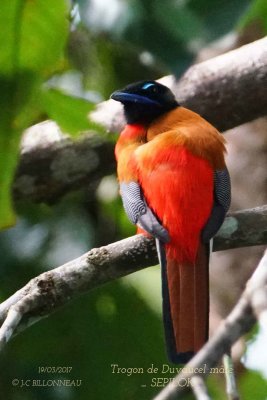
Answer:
[(125, 97)]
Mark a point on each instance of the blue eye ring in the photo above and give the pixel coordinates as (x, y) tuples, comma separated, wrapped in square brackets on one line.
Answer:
[(147, 85)]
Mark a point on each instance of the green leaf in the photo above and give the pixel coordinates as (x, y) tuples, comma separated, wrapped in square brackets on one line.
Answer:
[(17, 108), (32, 38), (8, 35), (8, 160), (257, 14), (33, 35), (71, 113), (179, 21), (252, 386), (44, 31)]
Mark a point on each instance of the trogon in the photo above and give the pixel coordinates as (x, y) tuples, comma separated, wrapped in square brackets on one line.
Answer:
[(174, 186)]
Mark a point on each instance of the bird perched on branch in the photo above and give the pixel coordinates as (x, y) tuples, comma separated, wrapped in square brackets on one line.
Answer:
[(174, 186)]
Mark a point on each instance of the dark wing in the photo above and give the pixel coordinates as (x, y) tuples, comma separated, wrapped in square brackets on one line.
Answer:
[(222, 200), (138, 211)]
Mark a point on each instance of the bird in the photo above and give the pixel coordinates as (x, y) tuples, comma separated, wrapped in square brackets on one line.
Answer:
[(175, 187)]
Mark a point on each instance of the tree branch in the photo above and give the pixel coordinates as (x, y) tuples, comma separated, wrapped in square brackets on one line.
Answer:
[(243, 228), (50, 290), (52, 164), (199, 388), (228, 90), (231, 388), (238, 323)]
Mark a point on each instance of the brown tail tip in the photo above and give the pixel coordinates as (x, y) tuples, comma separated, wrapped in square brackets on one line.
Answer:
[(185, 289)]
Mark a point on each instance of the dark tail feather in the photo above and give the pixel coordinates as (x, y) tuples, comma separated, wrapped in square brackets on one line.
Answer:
[(173, 355), (201, 313), (185, 295)]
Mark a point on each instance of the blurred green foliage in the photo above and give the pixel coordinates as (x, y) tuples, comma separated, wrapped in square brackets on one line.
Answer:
[(57, 58), (256, 16), (32, 38), (70, 112)]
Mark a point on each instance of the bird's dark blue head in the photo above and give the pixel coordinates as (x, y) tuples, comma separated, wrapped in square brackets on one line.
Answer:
[(144, 101)]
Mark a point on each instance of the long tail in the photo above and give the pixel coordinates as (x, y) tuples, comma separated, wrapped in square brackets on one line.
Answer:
[(185, 296)]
